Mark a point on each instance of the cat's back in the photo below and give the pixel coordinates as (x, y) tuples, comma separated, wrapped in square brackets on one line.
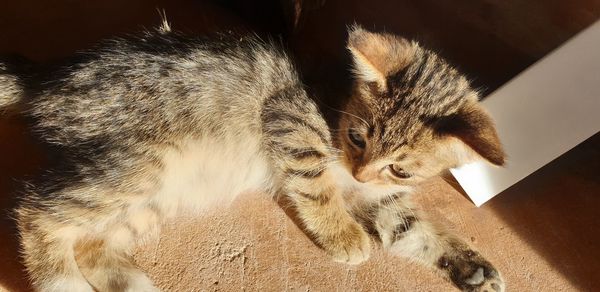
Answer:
[(158, 84)]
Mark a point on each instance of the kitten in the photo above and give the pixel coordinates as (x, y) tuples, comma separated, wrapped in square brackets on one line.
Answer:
[(160, 124)]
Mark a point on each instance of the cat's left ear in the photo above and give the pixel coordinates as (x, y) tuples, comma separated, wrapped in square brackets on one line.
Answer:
[(476, 132), (378, 55)]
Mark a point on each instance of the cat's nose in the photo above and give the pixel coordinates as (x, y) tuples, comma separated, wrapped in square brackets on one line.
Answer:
[(364, 174)]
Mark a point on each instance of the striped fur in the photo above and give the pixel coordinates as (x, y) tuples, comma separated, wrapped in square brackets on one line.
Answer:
[(159, 124), (416, 113)]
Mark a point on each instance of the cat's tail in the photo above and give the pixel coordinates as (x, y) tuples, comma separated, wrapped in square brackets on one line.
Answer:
[(11, 88)]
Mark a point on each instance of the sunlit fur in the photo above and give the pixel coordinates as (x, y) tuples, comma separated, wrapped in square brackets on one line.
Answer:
[(415, 111), (10, 92), (158, 124), (398, 105)]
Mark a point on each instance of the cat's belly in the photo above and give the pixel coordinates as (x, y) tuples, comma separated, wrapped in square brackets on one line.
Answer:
[(203, 173)]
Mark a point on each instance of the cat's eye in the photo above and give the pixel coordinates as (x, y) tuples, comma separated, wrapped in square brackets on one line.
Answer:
[(356, 138), (398, 171)]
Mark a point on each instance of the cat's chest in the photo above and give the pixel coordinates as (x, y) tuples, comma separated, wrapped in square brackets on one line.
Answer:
[(206, 172)]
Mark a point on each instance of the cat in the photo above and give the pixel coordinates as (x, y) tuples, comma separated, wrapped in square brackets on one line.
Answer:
[(159, 124)]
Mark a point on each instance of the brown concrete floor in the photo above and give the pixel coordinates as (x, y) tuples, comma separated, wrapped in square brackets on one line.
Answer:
[(542, 233)]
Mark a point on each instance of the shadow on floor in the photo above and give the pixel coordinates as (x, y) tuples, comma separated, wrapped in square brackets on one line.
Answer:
[(556, 210), (20, 158)]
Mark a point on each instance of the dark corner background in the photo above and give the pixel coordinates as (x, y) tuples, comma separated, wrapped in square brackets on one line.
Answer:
[(491, 41)]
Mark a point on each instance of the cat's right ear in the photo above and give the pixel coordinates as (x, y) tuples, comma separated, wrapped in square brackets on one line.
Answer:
[(476, 132), (378, 55)]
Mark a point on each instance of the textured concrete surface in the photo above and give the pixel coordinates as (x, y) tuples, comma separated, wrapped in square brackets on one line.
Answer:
[(256, 247)]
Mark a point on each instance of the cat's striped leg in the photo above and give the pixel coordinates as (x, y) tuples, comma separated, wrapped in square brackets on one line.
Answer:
[(324, 215), (406, 232), (298, 141)]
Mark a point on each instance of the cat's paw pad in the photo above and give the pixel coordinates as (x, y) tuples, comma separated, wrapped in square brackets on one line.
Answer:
[(493, 284), (470, 272), (352, 246), (482, 281)]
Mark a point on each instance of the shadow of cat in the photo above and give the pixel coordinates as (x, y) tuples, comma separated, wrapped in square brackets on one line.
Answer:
[(555, 210), (21, 157)]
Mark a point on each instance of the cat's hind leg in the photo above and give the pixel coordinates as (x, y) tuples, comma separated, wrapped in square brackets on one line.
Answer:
[(47, 249), (79, 238), (106, 260), (406, 232)]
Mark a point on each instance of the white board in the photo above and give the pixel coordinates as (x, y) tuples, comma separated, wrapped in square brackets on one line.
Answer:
[(541, 114)]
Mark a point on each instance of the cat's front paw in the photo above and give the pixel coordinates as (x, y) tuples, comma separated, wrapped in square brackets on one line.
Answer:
[(492, 284), (352, 245), (470, 272)]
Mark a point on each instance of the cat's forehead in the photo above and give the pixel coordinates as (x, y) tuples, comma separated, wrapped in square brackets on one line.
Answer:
[(416, 96), (391, 135), (427, 87), (413, 98)]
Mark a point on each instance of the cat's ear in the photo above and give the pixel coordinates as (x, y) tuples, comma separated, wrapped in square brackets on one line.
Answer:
[(378, 55), (476, 134)]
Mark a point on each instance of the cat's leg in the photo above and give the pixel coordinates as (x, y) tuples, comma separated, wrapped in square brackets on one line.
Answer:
[(406, 232), (47, 249), (324, 215), (79, 239), (299, 144), (106, 260)]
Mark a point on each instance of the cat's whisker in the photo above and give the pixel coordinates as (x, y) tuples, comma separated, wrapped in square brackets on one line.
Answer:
[(347, 113)]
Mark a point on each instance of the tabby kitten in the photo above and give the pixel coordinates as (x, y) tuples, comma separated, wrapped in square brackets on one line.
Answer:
[(155, 125)]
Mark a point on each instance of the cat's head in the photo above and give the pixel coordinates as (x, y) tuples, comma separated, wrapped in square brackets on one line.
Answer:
[(411, 114)]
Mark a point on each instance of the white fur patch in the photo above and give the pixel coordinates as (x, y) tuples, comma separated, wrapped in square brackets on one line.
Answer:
[(140, 282), (120, 238), (78, 284), (386, 223), (208, 172), (476, 278), (143, 220), (420, 243)]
